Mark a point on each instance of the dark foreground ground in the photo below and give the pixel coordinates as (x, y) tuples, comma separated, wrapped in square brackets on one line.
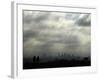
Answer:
[(56, 63)]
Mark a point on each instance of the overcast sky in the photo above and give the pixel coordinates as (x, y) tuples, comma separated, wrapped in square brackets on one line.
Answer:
[(53, 33)]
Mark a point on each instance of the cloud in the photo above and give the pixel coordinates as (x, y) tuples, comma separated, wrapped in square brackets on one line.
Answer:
[(50, 33), (84, 20), (34, 17)]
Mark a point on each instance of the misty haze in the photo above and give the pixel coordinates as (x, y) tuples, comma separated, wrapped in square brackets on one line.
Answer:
[(56, 39)]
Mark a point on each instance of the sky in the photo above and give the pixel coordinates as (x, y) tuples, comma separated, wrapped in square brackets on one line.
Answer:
[(54, 33)]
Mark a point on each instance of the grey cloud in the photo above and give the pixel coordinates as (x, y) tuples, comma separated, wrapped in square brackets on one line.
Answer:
[(29, 34), (40, 39), (41, 17), (28, 18), (84, 21), (72, 16)]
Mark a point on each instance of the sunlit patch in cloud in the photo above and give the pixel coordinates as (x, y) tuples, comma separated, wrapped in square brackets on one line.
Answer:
[(54, 33)]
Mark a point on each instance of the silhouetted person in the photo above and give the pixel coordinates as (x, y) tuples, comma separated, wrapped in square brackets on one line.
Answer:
[(37, 58), (34, 58)]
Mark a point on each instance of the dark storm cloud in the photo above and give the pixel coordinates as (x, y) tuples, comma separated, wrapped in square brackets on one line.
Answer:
[(29, 34), (35, 18), (84, 21), (53, 33)]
